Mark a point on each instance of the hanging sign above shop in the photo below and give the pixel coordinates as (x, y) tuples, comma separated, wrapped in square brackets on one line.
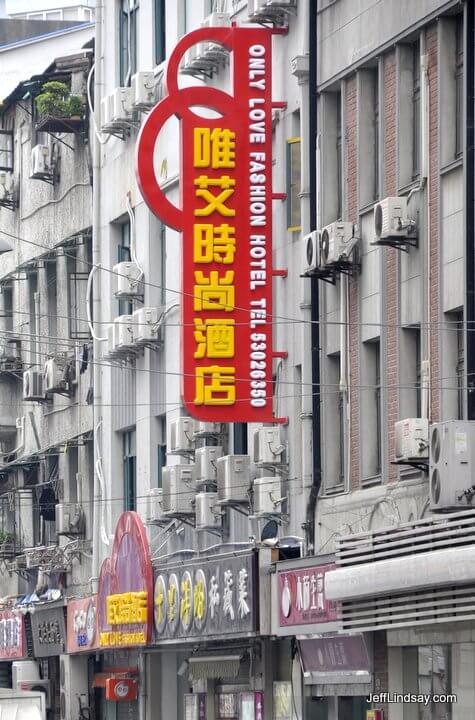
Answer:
[(121, 690), (301, 597), (48, 627), (215, 596), (12, 635), (225, 219), (81, 625), (125, 597)]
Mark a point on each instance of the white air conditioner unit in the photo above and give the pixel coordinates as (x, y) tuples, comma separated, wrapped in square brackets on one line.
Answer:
[(234, 478), (143, 90), (33, 385), (267, 495), (54, 381), (147, 328), (181, 436), (207, 429), (112, 349), (311, 244), (41, 165), (122, 109), (214, 51), (391, 219), (124, 332), (267, 446), (336, 243), (451, 465), (106, 113), (207, 517), (206, 461), (268, 9), (24, 671), (412, 439), (70, 519), (194, 60), (155, 505), (128, 280), (178, 489), (43, 686), (73, 679)]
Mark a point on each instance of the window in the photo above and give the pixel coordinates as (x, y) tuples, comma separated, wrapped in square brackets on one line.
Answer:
[(410, 404), (240, 438), (371, 410), (334, 426), (339, 157), (368, 135), (460, 366), (130, 487), (161, 448), (128, 30), (459, 86), (293, 184), (125, 307), (416, 110), (6, 150), (375, 103), (160, 39)]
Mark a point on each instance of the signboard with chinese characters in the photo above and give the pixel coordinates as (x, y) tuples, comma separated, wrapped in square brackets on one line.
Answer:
[(49, 631), (81, 625), (301, 597), (125, 597), (214, 596), (339, 653), (12, 635), (225, 219)]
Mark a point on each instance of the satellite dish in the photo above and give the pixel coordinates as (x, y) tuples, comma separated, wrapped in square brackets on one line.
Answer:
[(270, 531)]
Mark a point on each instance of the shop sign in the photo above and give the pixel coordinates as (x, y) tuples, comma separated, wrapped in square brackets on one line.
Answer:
[(81, 625), (211, 597), (49, 631), (225, 220), (301, 597), (195, 706), (339, 653), (121, 690), (125, 597), (282, 708), (12, 635), (252, 706)]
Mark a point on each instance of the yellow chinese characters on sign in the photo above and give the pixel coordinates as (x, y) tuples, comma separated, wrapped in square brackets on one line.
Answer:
[(214, 290), (127, 609), (199, 600)]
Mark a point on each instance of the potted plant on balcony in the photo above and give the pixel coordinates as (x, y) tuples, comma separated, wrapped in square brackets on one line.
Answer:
[(56, 106), (7, 540)]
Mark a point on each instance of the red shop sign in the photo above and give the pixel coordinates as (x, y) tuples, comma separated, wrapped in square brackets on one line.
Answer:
[(12, 635), (225, 220), (301, 597), (120, 690)]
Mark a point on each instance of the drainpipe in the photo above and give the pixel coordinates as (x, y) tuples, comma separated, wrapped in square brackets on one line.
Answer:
[(96, 258), (469, 164), (314, 288)]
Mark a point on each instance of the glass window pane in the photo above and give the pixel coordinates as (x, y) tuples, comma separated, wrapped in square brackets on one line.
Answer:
[(293, 185)]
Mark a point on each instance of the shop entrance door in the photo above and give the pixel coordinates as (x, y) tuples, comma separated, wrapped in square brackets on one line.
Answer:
[(352, 708), (316, 709)]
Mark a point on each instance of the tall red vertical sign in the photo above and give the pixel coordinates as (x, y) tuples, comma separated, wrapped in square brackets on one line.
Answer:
[(226, 223)]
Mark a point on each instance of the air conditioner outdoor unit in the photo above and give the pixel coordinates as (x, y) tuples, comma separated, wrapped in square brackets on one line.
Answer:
[(112, 334), (122, 109), (54, 381), (155, 505), (391, 218), (311, 243), (124, 332), (284, 4), (181, 436), (147, 328), (70, 519), (41, 162), (210, 50), (260, 9), (267, 446), (33, 385), (207, 429), (336, 243), (206, 459), (24, 671), (107, 113), (267, 495), (194, 61), (178, 489), (451, 465), (143, 90), (73, 684), (412, 439), (206, 516), (128, 280), (234, 478), (37, 686)]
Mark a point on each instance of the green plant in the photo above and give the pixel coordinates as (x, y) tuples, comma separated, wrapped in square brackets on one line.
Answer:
[(56, 100), (6, 537), (75, 106)]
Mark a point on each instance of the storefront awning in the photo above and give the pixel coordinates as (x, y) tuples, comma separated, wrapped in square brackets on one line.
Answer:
[(337, 665), (204, 667), (412, 572)]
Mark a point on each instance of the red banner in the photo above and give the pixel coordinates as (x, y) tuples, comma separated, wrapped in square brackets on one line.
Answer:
[(302, 599), (82, 625), (12, 635), (121, 690), (226, 224)]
